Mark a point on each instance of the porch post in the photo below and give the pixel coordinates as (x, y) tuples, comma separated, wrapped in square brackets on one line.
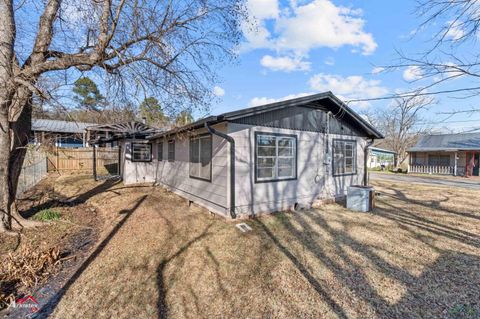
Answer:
[(95, 162), (455, 167)]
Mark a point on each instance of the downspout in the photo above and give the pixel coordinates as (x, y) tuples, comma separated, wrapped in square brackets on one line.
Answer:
[(365, 162), (231, 141)]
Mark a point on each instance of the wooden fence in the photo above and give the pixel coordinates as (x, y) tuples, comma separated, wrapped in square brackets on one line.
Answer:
[(430, 169), (81, 159)]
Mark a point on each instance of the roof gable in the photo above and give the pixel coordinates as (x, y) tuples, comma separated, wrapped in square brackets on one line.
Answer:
[(327, 101)]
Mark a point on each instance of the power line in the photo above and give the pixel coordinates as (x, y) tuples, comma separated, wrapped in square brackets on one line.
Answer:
[(410, 94), (457, 112)]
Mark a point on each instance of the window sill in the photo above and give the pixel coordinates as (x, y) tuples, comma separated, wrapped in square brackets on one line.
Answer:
[(201, 179), (275, 180)]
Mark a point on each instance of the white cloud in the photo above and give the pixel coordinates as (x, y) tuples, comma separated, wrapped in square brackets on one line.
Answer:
[(455, 30), (284, 63), (263, 9), (300, 28), (412, 73), (329, 61), (377, 70), (350, 87), (218, 91), (266, 100)]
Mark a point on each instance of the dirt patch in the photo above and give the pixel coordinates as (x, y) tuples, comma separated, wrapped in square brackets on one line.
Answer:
[(36, 256)]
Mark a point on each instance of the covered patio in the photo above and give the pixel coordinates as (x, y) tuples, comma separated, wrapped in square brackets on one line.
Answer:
[(446, 154)]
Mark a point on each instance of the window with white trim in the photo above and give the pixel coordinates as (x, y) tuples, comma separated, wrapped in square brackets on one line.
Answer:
[(275, 157), (141, 152), (344, 157), (201, 157)]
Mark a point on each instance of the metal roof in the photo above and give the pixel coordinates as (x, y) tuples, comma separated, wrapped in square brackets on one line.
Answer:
[(132, 129), (230, 116), (447, 142), (59, 126), (381, 150)]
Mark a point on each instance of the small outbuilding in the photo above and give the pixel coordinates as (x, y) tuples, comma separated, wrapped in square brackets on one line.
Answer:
[(285, 155)]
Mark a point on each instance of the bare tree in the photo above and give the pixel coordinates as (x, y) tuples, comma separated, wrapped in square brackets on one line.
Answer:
[(168, 48), (401, 124), (455, 25)]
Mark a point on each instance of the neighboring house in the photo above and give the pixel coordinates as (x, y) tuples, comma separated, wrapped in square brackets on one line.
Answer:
[(379, 157), (68, 134), (269, 158), (449, 154)]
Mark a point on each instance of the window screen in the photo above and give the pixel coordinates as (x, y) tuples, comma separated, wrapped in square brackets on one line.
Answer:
[(201, 157), (439, 160), (171, 151), (141, 152), (160, 151), (344, 157), (276, 157)]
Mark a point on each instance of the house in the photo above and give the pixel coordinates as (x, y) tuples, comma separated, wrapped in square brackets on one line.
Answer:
[(67, 134), (379, 157), (274, 157), (448, 154)]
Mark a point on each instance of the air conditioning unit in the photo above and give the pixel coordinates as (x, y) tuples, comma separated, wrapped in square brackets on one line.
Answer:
[(360, 198)]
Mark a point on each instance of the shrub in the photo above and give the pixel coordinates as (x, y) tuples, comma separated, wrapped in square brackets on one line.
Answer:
[(47, 215)]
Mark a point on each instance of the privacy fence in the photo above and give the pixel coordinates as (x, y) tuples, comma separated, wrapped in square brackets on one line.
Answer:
[(81, 160), (38, 162)]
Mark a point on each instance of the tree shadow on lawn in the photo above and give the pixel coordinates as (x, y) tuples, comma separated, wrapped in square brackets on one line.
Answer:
[(445, 289), (50, 306), (162, 306), (427, 203)]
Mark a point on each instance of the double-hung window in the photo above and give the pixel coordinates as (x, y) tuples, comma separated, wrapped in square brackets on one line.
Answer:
[(141, 152), (344, 157), (160, 151), (201, 157), (275, 157), (171, 151)]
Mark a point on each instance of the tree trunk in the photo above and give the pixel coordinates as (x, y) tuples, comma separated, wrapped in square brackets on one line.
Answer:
[(6, 218), (7, 36), (21, 129)]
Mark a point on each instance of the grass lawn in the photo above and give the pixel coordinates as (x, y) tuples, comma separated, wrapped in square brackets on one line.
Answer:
[(416, 256)]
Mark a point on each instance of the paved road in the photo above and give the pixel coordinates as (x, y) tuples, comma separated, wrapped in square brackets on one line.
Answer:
[(430, 180)]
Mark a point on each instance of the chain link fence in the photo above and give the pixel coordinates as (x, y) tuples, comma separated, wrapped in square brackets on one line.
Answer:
[(33, 170)]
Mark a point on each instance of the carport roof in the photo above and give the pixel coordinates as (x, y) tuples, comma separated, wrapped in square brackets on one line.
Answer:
[(447, 142)]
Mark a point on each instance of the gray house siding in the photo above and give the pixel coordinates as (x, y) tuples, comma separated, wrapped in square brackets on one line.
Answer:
[(175, 175), (314, 182), (301, 118)]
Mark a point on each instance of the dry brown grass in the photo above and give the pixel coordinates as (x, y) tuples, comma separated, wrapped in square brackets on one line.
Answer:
[(416, 256)]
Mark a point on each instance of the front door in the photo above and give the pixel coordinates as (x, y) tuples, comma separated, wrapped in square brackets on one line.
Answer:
[(473, 161)]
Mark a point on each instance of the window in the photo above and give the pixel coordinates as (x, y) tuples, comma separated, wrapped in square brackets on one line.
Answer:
[(160, 151), (439, 160), (171, 151), (201, 157), (141, 152), (344, 157), (275, 157)]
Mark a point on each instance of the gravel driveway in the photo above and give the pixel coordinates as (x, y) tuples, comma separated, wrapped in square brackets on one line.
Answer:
[(462, 182)]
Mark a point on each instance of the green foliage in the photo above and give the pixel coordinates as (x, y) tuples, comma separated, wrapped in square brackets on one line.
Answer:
[(87, 94), (151, 110), (47, 215), (184, 118)]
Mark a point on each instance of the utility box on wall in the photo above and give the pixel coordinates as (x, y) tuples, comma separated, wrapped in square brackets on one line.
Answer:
[(360, 198)]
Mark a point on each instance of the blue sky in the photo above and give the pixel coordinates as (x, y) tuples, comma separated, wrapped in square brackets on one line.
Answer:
[(301, 47)]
